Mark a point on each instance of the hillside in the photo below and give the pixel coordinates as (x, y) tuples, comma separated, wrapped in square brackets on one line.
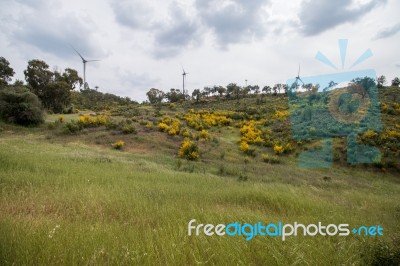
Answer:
[(120, 186)]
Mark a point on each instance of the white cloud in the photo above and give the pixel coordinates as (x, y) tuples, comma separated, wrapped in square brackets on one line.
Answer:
[(142, 44)]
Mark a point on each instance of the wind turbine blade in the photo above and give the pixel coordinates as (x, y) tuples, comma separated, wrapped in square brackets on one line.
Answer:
[(92, 60), (83, 59), (183, 69), (301, 80), (298, 74)]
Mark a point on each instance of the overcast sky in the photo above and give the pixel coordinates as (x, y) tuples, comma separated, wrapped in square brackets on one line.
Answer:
[(142, 43)]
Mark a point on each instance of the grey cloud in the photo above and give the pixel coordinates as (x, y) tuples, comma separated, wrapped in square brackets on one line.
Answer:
[(170, 35), (179, 34), (397, 65), (135, 81), (317, 16), (385, 33), (232, 21), (134, 14), (43, 28), (55, 34)]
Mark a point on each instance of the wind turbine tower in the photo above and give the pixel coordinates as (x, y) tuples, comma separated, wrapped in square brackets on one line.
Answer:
[(84, 61), (183, 80)]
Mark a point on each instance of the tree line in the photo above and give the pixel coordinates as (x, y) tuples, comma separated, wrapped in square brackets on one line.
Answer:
[(53, 91), (233, 91)]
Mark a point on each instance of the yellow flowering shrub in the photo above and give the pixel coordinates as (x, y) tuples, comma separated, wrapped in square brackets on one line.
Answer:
[(384, 107), (170, 125), (61, 119), (205, 135), (186, 133), (175, 127), (396, 107), (250, 134), (189, 150), (204, 119), (244, 146), (162, 127), (281, 115), (369, 134), (392, 134), (278, 149), (118, 145), (93, 121)]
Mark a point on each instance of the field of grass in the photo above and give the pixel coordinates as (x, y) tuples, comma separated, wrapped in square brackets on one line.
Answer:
[(78, 204), (70, 198)]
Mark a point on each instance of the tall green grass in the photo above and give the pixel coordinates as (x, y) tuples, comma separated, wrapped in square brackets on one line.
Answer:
[(79, 205)]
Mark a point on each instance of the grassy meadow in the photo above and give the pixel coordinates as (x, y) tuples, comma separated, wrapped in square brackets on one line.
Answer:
[(67, 197)]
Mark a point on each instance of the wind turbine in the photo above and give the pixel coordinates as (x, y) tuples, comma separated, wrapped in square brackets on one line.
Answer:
[(183, 81), (84, 61), (298, 78)]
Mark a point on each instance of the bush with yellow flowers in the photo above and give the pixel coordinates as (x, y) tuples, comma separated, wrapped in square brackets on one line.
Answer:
[(205, 135), (278, 149), (250, 133), (175, 127), (61, 119), (93, 121), (281, 115), (204, 119), (118, 145), (390, 133), (162, 127), (244, 146), (189, 150), (170, 125), (186, 133)]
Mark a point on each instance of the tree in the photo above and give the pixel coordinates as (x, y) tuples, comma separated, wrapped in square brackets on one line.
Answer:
[(381, 80), (267, 89), (57, 96), (366, 83), (6, 72), (396, 82), (174, 95), (196, 94), (207, 91), (71, 77), (330, 85), (256, 89), (52, 88), (221, 90), (308, 87), (38, 76), (233, 89), (275, 89), (155, 96), (20, 106)]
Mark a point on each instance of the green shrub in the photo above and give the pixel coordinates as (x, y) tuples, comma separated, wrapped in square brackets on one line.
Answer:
[(129, 129), (111, 124), (18, 105), (383, 252), (72, 127), (270, 158)]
